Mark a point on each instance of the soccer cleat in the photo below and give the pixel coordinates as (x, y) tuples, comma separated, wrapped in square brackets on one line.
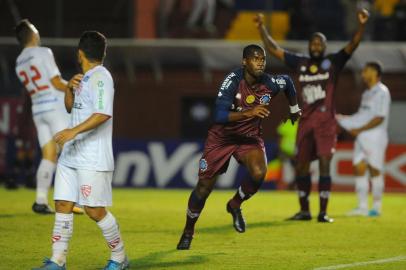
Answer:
[(302, 215), (78, 210), (374, 213), (324, 218), (50, 265), (238, 219), (43, 209), (113, 265), (358, 212), (185, 241)]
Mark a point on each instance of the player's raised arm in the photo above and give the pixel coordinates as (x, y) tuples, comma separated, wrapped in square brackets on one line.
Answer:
[(362, 16), (270, 44)]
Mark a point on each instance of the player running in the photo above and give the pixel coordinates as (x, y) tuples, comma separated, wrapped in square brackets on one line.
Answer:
[(316, 138), (85, 168), (241, 106), (370, 128), (38, 72)]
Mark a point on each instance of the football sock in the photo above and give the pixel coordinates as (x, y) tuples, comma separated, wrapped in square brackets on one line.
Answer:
[(378, 186), (247, 189), (45, 173), (111, 233), (361, 187), (324, 192), (304, 185), (195, 207), (61, 235)]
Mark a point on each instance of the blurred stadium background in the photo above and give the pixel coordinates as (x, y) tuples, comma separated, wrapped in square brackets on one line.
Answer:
[(167, 66)]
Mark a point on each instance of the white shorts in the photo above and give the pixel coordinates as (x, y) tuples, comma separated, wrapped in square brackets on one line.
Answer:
[(89, 188), (50, 123), (372, 153)]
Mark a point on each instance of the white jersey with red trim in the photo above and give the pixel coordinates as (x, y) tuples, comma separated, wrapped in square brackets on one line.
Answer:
[(35, 67)]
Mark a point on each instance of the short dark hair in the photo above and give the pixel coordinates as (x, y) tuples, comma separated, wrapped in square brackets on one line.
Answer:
[(23, 31), (376, 65), (93, 44), (319, 35), (250, 49)]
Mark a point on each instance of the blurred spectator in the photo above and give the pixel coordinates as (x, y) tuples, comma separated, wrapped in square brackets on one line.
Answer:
[(301, 19), (400, 20), (351, 8), (164, 11), (384, 27)]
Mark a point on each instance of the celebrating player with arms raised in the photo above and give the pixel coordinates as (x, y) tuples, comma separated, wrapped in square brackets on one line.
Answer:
[(317, 75), (240, 108), (38, 72)]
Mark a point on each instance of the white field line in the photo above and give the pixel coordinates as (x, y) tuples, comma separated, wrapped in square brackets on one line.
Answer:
[(340, 266)]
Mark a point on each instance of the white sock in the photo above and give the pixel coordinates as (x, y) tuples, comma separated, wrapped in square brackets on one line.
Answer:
[(45, 173), (361, 187), (378, 186), (111, 233), (63, 229)]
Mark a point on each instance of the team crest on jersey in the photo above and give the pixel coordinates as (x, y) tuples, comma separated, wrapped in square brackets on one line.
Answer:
[(265, 99), (203, 165), (86, 190), (326, 64), (250, 99), (313, 69)]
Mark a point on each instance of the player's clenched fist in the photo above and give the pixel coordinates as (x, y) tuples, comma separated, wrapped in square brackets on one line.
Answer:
[(259, 19), (259, 111), (65, 135), (75, 81), (363, 16)]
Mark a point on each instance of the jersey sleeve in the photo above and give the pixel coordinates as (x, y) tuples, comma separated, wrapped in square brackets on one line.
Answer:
[(339, 59), (382, 104), (102, 93), (281, 83), (225, 98), (292, 60), (49, 64)]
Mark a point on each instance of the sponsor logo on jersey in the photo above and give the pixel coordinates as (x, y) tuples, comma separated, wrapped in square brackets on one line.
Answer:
[(326, 64), (86, 190), (312, 78), (313, 69), (227, 81), (203, 165), (281, 82), (77, 105), (250, 99), (265, 99)]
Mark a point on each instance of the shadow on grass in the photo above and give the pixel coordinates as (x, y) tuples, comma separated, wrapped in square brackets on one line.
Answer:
[(155, 260), (229, 227)]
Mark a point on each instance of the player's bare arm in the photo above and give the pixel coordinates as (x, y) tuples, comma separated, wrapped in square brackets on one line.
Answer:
[(270, 44), (92, 122), (69, 95), (362, 16), (376, 121)]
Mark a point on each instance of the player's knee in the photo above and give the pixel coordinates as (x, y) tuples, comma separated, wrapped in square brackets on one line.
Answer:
[(302, 169), (373, 171), (360, 169), (203, 190), (258, 174), (324, 166), (64, 207), (95, 213)]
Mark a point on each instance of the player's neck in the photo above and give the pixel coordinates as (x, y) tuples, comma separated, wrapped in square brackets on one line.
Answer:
[(86, 66), (251, 80), (372, 83), (31, 44)]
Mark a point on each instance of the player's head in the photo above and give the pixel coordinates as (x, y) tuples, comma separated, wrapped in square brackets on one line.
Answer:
[(254, 60), (92, 47), (26, 33), (372, 72), (317, 45)]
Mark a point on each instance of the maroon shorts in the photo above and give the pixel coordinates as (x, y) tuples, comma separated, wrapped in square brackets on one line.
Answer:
[(218, 151), (316, 137)]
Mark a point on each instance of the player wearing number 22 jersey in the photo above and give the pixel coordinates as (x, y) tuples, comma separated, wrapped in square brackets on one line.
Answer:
[(241, 105), (38, 72)]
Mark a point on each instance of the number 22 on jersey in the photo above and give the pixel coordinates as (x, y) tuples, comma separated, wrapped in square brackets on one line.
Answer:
[(35, 76)]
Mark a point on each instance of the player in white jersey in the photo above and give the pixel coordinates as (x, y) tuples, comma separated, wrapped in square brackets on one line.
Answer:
[(85, 167), (38, 72), (369, 125)]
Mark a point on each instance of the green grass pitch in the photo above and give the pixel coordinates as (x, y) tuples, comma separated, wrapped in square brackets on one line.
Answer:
[(152, 220)]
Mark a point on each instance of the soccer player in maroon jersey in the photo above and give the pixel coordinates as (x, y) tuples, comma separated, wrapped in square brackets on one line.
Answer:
[(241, 105), (316, 138)]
